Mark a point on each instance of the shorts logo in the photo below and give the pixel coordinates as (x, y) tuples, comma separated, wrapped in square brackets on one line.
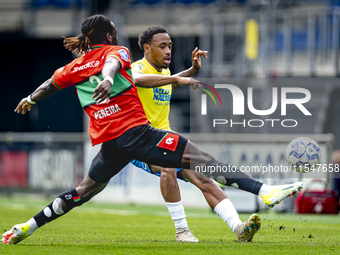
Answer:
[(145, 166), (123, 54), (169, 142)]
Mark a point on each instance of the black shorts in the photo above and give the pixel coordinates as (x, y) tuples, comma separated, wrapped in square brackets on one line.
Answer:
[(144, 143)]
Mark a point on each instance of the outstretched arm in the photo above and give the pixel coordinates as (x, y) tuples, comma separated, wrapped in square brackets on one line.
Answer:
[(103, 90), (156, 80), (43, 91)]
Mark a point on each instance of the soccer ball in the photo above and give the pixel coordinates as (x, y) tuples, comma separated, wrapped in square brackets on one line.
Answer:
[(303, 155)]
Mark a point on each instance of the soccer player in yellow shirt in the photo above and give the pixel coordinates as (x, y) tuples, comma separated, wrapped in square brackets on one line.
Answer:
[(151, 71)]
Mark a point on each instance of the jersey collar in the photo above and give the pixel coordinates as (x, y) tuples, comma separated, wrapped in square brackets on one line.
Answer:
[(148, 63), (97, 46)]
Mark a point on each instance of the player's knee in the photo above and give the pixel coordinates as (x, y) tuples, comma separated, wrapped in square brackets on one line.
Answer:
[(192, 151), (205, 181), (202, 182), (101, 170), (165, 172)]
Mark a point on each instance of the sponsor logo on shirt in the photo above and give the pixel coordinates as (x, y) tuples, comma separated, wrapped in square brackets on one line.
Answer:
[(123, 54), (86, 66), (106, 111), (160, 94)]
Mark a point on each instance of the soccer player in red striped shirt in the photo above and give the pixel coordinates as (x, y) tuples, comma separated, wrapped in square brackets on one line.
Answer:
[(102, 75)]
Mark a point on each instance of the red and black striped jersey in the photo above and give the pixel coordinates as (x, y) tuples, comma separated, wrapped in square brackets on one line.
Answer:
[(124, 111)]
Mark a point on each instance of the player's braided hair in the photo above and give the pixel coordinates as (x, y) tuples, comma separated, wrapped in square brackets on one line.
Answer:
[(93, 29), (146, 35)]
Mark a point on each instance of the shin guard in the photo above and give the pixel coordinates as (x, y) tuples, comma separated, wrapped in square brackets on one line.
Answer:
[(231, 176), (55, 209)]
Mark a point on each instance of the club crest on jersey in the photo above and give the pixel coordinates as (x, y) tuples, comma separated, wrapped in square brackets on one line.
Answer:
[(169, 142), (123, 54)]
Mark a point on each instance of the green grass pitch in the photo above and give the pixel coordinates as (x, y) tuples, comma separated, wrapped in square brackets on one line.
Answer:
[(127, 229)]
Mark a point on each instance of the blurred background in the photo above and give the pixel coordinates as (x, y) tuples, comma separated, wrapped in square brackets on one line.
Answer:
[(278, 43)]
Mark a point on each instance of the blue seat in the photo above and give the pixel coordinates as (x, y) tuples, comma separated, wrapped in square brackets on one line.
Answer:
[(54, 3), (147, 2), (174, 1)]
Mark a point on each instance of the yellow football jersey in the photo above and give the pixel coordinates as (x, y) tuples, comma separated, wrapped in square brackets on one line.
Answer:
[(156, 101)]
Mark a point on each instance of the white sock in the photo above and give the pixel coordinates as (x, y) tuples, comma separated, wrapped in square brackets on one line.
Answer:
[(226, 210), (265, 189), (33, 226), (177, 213)]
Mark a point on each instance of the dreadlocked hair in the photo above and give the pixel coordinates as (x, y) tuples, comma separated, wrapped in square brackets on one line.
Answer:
[(93, 31), (80, 45)]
